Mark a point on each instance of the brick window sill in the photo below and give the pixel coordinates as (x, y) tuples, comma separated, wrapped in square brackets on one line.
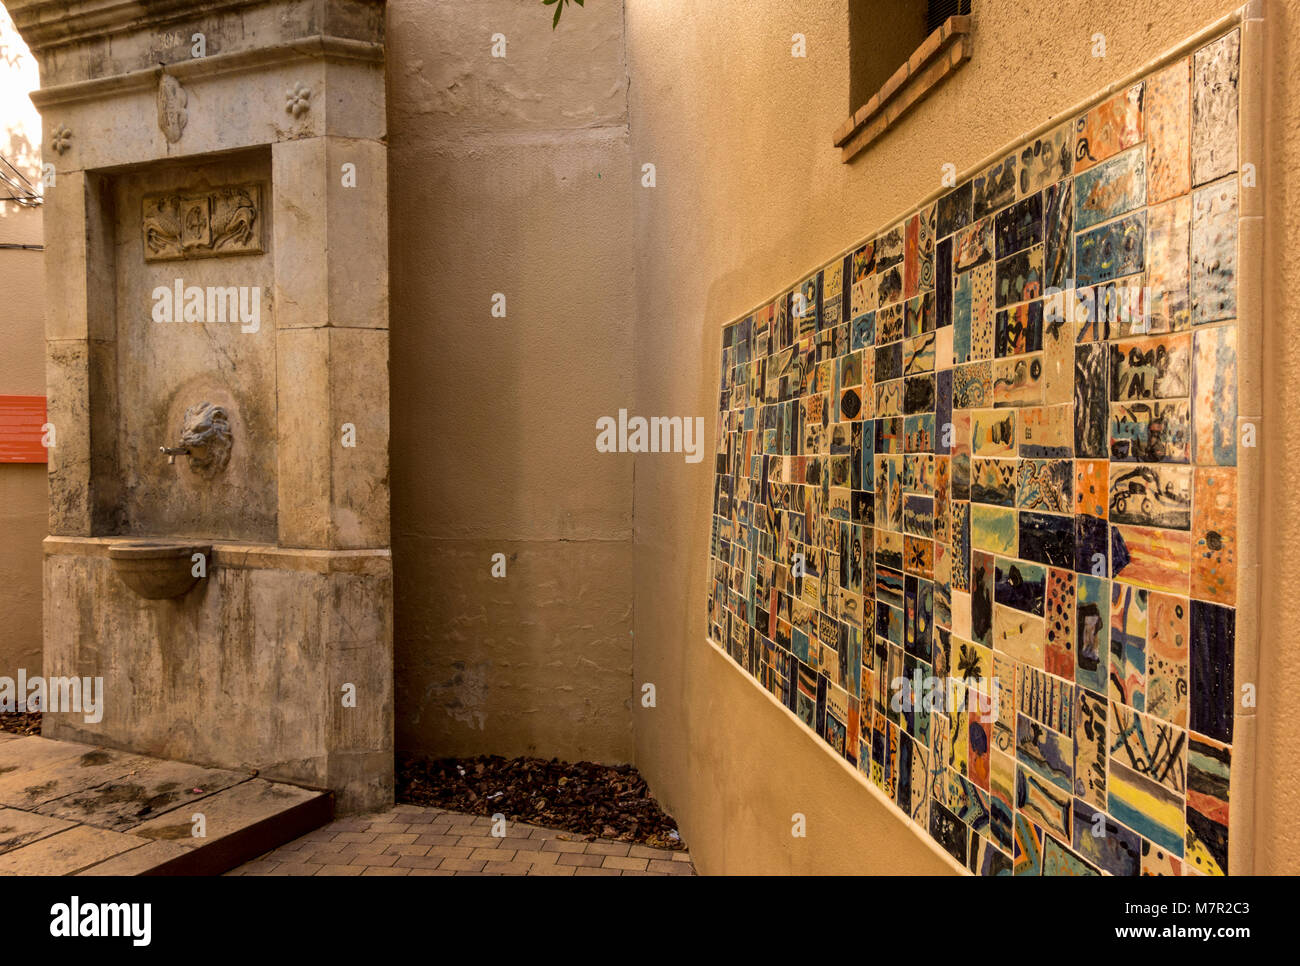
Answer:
[(939, 56)]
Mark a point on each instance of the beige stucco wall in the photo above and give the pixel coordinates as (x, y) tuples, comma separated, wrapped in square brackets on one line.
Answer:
[(510, 175), (750, 194), (22, 363)]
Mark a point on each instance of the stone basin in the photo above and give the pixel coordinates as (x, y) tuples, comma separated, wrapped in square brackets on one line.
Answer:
[(156, 569)]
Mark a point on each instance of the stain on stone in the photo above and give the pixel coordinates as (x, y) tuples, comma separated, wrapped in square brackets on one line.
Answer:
[(168, 832)]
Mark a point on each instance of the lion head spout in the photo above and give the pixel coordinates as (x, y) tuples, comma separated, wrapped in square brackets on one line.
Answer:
[(206, 434)]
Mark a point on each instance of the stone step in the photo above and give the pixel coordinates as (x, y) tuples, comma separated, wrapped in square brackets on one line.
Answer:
[(75, 809)]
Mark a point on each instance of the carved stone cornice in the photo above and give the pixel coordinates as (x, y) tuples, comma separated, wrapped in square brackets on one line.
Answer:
[(308, 48), (88, 42)]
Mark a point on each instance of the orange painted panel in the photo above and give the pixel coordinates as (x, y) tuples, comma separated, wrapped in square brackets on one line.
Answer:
[(21, 419)]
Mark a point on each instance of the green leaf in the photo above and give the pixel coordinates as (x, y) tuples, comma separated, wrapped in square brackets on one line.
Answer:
[(556, 21)]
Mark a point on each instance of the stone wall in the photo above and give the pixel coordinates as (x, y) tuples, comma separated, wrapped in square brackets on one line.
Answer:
[(510, 175)]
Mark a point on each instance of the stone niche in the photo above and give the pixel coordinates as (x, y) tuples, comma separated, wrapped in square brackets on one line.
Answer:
[(217, 368)]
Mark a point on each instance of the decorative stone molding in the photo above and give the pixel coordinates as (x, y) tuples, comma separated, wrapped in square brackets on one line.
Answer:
[(297, 100), (172, 100), (61, 139), (223, 221)]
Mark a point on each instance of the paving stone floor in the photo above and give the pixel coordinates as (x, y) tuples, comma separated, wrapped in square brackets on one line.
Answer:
[(73, 809), (414, 840)]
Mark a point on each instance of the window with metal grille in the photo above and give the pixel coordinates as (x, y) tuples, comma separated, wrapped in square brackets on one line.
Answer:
[(937, 11), (893, 44)]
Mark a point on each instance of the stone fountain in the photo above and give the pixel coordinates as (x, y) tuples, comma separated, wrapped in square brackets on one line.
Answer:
[(217, 367)]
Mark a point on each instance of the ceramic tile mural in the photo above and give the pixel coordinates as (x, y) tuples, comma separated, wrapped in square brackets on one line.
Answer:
[(975, 503)]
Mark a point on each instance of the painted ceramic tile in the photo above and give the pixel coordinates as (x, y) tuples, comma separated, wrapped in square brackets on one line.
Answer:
[(1091, 545), (993, 481), (1046, 160), (889, 325), (993, 529), (982, 597), (949, 832), (1058, 360), (1146, 806), (1150, 747), (1157, 367), (1150, 557), (961, 548), (919, 315), (993, 433), (1109, 128), (1128, 645), (1043, 802), (1020, 276), (1018, 381), (1211, 657), (1019, 330), (1092, 627), (1168, 112), (1091, 487), (1046, 538), (1082, 604), (943, 287), (1111, 251), (1158, 431), (1019, 226), (1110, 189), (996, 187), (911, 256), (1019, 635), (925, 243), (943, 410), (1208, 766), (1028, 858), (953, 210), (1019, 585), (918, 354), (833, 294), (973, 246), (1169, 265), (1058, 231), (1214, 252), (1168, 621), (1091, 747), (1104, 844), (889, 285), (1091, 379), (1045, 485), (804, 304), (1156, 861), (1002, 801), (889, 400), (1214, 387), (1059, 616), (889, 247), (1214, 109), (1046, 432), (1046, 699), (1151, 494), (1214, 530), (981, 312), (1049, 754)]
